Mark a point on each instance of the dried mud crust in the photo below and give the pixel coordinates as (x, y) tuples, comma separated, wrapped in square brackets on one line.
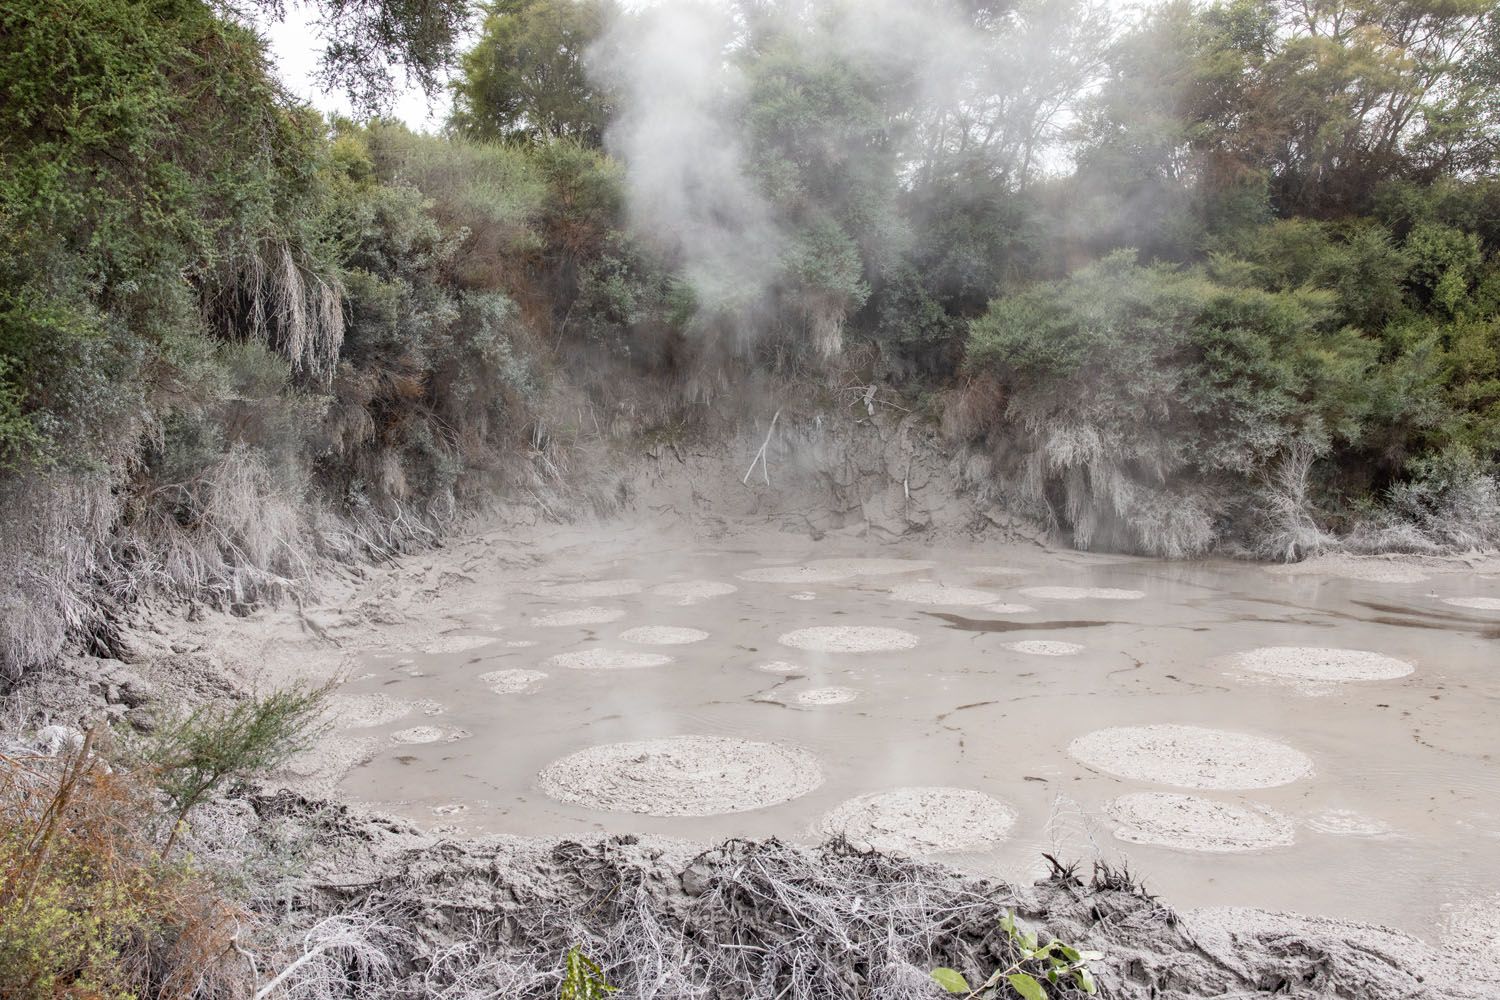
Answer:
[(1195, 823), (1191, 757), (754, 920), (919, 821), (682, 776)]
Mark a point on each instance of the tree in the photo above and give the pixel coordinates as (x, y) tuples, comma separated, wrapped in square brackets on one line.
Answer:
[(527, 77)]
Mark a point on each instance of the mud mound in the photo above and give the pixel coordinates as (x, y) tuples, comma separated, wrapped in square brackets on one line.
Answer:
[(1474, 603), (693, 591), (1082, 594), (683, 776), (1191, 757), (793, 574), (591, 588), (779, 667), (936, 593), (1318, 667), (512, 681), (848, 639), (1045, 647), (1192, 823), (458, 643), (921, 820), (662, 635), (608, 659), (827, 696), (579, 616)]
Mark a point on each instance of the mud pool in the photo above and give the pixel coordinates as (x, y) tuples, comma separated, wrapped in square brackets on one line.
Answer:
[(1239, 736)]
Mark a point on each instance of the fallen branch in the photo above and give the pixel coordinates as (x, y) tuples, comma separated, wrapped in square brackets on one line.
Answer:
[(760, 456)]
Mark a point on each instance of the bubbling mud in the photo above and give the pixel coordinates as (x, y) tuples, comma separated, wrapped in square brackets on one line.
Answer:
[(1191, 757), (1194, 823), (1319, 666), (662, 635), (608, 659), (1082, 594), (579, 616), (512, 681), (925, 820), (849, 639), (682, 776), (1348, 823), (1045, 647), (427, 734), (780, 667), (926, 592), (826, 696)]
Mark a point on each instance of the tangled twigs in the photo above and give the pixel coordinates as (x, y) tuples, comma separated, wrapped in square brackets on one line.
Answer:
[(760, 456)]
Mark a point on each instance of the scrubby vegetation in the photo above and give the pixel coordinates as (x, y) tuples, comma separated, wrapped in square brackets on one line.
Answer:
[(1223, 275)]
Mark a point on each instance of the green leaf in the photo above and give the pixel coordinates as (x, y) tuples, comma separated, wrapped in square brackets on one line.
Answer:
[(1085, 981), (1027, 987), (951, 980), (1008, 923), (1071, 954)]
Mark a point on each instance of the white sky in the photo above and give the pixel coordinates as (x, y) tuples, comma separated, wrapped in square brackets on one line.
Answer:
[(295, 47)]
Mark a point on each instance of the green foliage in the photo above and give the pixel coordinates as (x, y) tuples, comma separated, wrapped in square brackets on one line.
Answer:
[(525, 77), (194, 754), (583, 979), (1054, 963)]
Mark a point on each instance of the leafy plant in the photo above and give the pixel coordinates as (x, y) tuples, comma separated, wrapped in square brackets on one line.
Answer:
[(583, 979), (1055, 962)]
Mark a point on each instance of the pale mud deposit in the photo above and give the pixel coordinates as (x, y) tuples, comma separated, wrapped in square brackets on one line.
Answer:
[(1193, 823), (793, 574), (1191, 757), (871, 567), (662, 635), (1316, 668), (427, 734), (693, 591), (458, 643), (1348, 823), (682, 776), (1370, 569), (1009, 609), (997, 571), (803, 595), (1474, 603), (780, 667), (588, 589), (1045, 647), (363, 711), (925, 592), (827, 696), (849, 639), (1082, 594), (512, 681), (921, 820), (608, 659), (1474, 929), (579, 616)]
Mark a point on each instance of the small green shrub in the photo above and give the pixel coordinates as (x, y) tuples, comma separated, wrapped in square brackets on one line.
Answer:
[(1054, 963), (583, 979)]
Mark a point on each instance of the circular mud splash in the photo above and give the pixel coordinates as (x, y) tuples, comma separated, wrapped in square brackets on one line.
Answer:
[(458, 643), (921, 820), (1192, 823), (779, 667), (848, 639), (1474, 603), (693, 591), (803, 595), (683, 776), (1319, 665), (1347, 823), (662, 635), (793, 574), (1045, 647), (579, 616), (608, 659), (592, 588), (363, 711), (427, 734), (1191, 757), (936, 593), (1082, 594), (512, 681), (827, 696)]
